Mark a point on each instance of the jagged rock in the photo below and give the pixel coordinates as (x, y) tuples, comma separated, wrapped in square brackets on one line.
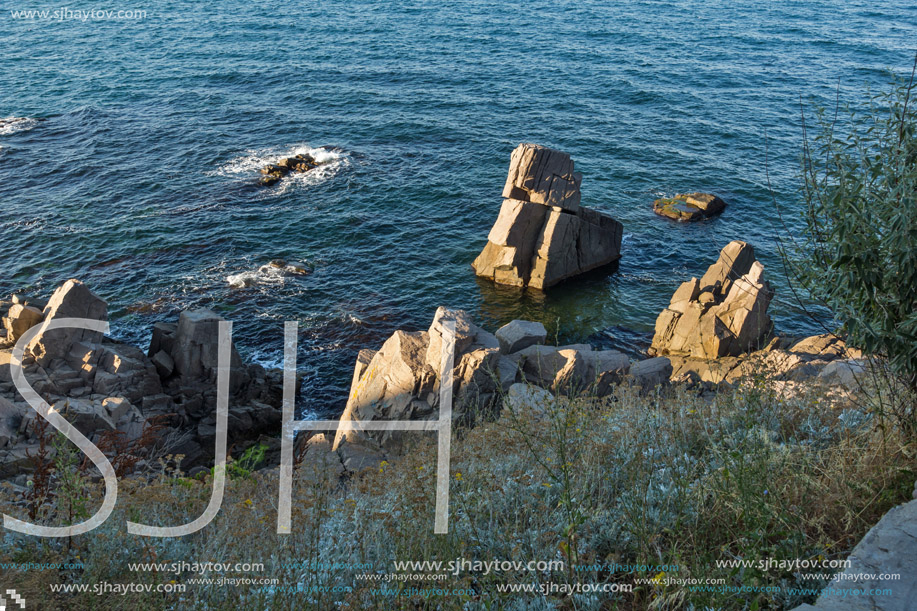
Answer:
[(164, 364), (17, 459), (519, 334), (20, 319), (356, 457), (72, 300), (722, 314), (131, 423), (319, 464), (543, 176), (689, 206), (87, 416), (402, 380), (116, 407), (604, 369), (464, 335), (397, 374), (542, 235)]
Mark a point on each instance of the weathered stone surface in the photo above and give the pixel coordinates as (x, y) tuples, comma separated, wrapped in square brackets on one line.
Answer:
[(519, 334), (890, 547), (526, 396), (689, 206), (849, 373), (20, 319), (72, 300), (397, 374), (650, 373), (542, 235), (196, 345), (605, 368), (87, 416), (722, 314), (465, 332), (356, 457), (164, 364), (543, 176)]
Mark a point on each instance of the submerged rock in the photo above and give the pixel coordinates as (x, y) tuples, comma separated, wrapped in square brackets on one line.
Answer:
[(689, 206), (273, 172)]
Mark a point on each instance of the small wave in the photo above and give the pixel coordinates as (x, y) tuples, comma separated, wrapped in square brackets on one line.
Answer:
[(330, 160), (274, 273), (12, 125)]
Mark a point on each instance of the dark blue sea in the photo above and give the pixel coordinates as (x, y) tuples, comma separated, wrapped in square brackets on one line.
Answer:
[(135, 165)]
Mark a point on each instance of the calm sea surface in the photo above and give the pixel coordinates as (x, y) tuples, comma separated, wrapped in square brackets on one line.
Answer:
[(137, 174)]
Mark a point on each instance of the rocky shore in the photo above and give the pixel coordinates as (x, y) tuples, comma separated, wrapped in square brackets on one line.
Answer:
[(716, 332)]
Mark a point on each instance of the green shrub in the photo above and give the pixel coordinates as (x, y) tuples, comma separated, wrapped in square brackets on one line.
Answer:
[(859, 256)]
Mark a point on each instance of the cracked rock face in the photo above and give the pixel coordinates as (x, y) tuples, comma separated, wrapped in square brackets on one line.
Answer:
[(722, 314), (542, 235)]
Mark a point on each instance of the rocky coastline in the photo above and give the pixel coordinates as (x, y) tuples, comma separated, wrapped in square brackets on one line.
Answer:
[(714, 334)]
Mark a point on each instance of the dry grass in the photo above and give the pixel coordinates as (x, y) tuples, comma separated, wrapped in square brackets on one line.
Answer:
[(667, 478)]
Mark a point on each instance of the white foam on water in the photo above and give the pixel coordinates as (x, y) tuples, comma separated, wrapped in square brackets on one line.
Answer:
[(266, 275), (249, 166), (12, 125)]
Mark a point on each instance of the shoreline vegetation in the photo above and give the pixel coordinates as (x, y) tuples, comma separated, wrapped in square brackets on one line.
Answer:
[(700, 477)]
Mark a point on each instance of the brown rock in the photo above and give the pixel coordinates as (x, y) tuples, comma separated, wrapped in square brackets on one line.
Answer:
[(72, 300)]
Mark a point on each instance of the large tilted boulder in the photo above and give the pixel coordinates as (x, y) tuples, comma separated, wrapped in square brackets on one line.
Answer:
[(722, 314), (402, 380), (542, 234), (72, 300)]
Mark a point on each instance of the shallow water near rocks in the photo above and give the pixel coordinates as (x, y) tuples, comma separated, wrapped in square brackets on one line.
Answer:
[(140, 179)]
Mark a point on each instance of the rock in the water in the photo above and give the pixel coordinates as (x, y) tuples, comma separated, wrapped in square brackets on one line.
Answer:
[(273, 172), (542, 234), (722, 314), (519, 334), (72, 300), (689, 206)]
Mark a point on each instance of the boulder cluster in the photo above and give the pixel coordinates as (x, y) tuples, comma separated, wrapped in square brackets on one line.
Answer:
[(401, 381), (542, 234), (689, 206), (722, 314), (105, 386)]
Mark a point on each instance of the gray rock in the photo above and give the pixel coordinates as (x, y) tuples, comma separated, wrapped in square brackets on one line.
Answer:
[(519, 334), (890, 547), (722, 314), (164, 364), (849, 373), (542, 234), (526, 396), (652, 372)]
